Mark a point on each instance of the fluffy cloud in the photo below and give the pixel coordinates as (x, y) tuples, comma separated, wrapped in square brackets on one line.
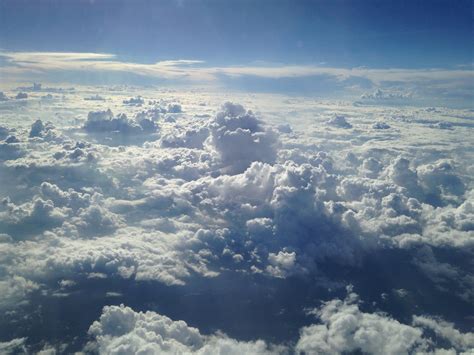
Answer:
[(105, 122), (14, 291), (134, 101), (240, 138), (21, 95), (386, 96), (210, 194), (345, 328), (122, 330), (339, 121), (14, 346)]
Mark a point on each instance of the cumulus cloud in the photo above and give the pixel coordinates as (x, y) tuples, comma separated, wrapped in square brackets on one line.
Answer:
[(14, 346), (3, 97), (122, 330), (343, 327), (346, 328), (175, 108), (339, 121), (223, 193), (381, 95), (10, 148), (380, 125), (14, 292), (240, 138), (21, 95), (105, 122), (95, 97), (134, 101)]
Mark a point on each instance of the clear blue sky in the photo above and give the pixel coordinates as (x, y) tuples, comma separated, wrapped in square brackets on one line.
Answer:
[(377, 34)]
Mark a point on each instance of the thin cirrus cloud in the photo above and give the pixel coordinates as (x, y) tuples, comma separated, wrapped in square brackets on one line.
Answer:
[(18, 65)]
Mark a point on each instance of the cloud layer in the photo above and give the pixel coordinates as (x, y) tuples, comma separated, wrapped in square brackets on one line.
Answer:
[(176, 188)]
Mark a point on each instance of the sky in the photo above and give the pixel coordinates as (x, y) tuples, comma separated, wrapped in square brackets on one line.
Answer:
[(316, 37), (376, 34), (236, 177)]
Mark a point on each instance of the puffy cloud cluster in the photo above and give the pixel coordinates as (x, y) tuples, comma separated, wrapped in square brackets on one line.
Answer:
[(345, 328), (79, 213), (134, 101), (240, 138), (95, 97), (380, 125), (381, 95), (278, 216), (21, 96), (339, 121), (122, 330), (15, 346), (105, 122), (222, 193), (14, 291), (10, 147), (174, 108), (3, 97), (38, 129)]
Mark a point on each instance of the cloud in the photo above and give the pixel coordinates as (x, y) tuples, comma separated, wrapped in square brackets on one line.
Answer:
[(429, 82), (134, 101), (15, 291), (96, 97), (21, 95), (212, 191), (120, 329), (345, 328), (13, 346), (240, 138), (380, 125), (380, 96), (339, 121), (105, 122)]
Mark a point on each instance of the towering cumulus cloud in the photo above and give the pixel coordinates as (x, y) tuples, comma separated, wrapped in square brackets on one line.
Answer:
[(240, 138)]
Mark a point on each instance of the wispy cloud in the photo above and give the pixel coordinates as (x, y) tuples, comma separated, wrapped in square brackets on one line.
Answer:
[(19, 66)]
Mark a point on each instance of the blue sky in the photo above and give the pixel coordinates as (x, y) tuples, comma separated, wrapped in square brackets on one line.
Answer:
[(408, 34), (381, 35)]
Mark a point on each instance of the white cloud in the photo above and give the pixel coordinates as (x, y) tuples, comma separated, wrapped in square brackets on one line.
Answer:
[(209, 194), (240, 138), (105, 122), (122, 330), (428, 81), (13, 346), (345, 328), (339, 121), (14, 292)]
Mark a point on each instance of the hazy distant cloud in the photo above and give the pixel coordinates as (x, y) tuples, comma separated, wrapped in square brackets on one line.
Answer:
[(106, 122), (339, 121), (429, 81)]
